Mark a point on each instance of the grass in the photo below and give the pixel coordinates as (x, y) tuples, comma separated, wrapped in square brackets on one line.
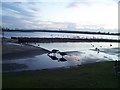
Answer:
[(96, 75)]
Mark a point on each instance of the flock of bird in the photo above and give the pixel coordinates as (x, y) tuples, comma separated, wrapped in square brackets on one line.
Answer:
[(97, 49), (55, 51)]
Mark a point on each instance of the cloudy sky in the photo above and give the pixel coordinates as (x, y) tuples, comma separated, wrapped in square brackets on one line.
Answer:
[(67, 14)]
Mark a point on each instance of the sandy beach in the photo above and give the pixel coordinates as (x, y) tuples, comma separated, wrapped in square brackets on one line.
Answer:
[(12, 50)]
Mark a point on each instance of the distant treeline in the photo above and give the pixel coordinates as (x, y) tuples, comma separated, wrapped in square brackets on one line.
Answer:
[(59, 31)]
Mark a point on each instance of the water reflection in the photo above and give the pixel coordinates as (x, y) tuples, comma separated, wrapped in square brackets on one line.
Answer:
[(62, 60), (54, 57), (75, 54), (62, 54)]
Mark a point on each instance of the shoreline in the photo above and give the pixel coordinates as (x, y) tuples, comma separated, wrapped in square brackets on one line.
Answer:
[(63, 31), (96, 75), (12, 50), (91, 75), (50, 40), (56, 68)]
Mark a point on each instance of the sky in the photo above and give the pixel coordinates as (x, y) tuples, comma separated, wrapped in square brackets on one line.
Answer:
[(55, 14)]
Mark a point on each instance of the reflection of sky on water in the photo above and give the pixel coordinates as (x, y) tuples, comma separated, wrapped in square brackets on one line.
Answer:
[(77, 54)]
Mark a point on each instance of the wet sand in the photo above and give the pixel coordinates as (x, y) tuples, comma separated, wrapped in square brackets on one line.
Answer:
[(12, 50)]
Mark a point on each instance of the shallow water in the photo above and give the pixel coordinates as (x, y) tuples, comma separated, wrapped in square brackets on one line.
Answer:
[(77, 54)]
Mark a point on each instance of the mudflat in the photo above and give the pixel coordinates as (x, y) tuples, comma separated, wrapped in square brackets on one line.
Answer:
[(12, 50)]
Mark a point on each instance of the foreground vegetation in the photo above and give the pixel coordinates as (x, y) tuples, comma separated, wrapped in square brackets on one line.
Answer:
[(97, 75)]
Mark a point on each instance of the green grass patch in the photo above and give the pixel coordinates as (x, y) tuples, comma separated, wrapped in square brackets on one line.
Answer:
[(96, 75)]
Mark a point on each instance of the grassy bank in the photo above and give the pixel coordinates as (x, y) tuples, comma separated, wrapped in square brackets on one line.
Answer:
[(97, 75)]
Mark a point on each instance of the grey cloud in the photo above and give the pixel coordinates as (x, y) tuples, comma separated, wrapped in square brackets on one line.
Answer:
[(73, 4), (12, 21), (15, 22), (76, 3), (27, 19), (116, 1), (18, 8), (19, 17)]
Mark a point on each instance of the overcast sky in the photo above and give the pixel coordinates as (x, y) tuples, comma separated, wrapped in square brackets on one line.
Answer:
[(67, 14)]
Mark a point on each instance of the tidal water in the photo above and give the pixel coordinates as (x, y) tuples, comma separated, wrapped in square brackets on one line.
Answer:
[(77, 53)]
